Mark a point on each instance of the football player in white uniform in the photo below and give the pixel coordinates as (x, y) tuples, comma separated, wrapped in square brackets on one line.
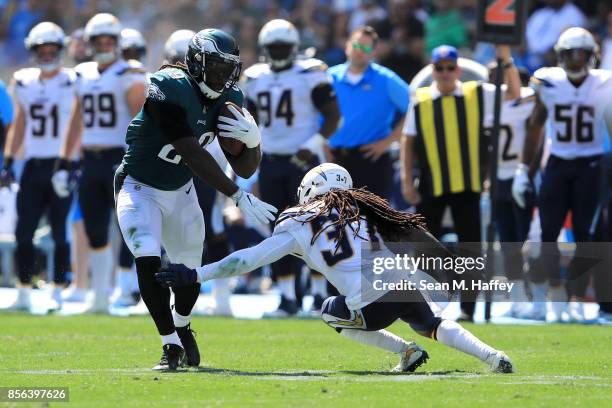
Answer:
[(287, 95), (329, 231), (133, 45), (573, 99), (43, 97), (512, 221), (111, 91), (176, 46)]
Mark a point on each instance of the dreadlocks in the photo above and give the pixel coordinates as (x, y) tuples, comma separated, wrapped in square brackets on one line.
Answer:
[(179, 65), (351, 204)]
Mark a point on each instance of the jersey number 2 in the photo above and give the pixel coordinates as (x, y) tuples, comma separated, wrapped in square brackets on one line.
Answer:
[(169, 154), (283, 110), (103, 107), (39, 125), (344, 251)]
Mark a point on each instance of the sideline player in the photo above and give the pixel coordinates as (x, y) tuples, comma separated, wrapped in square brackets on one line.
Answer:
[(111, 91), (329, 230), (575, 100), (43, 100), (156, 201), (288, 95)]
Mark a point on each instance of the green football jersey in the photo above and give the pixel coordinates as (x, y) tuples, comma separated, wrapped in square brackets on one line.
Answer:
[(150, 157)]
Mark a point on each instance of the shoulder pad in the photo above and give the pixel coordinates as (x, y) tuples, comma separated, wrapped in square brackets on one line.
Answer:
[(311, 65), (70, 76), (604, 76), (85, 66), (131, 70), (256, 70), (527, 96), (24, 75), (545, 77)]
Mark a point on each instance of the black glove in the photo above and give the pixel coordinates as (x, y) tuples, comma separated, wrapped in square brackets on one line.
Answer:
[(176, 275), (7, 176)]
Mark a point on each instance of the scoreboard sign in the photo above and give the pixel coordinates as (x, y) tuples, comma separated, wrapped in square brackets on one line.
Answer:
[(501, 21)]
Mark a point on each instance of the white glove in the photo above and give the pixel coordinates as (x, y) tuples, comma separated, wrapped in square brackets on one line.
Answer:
[(316, 145), (60, 181), (520, 185), (243, 128), (254, 208)]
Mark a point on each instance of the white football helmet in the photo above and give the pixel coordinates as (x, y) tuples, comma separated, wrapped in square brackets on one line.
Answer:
[(279, 41), (321, 179), (576, 38), (103, 24), (46, 33), (132, 41), (176, 46)]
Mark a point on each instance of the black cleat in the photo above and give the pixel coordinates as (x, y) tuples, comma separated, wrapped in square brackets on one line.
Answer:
[(172, 357), (192, 353), (317, 303), (286, 308)]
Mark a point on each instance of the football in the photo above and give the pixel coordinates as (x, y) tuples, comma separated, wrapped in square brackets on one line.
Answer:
[(231, 146)]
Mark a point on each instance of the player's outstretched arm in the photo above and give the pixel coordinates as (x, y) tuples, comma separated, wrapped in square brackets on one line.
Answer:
[(526, 168), (240, 262)]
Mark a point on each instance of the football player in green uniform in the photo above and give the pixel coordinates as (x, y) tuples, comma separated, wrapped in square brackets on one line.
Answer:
[(156, 201)]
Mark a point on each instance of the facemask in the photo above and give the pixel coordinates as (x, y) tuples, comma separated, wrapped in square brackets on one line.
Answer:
[(104, 57)]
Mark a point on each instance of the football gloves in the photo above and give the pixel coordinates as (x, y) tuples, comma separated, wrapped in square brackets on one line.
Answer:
[(176, 275), (521, 185), (243, 128), (252, 207), (61, 183)]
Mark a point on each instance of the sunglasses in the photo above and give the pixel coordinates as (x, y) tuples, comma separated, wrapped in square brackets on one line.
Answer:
[(365, 48), (442, 68)]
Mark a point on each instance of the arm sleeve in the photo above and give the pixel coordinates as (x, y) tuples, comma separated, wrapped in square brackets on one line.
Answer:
[(399, 92), (170, 118), (240, 262)]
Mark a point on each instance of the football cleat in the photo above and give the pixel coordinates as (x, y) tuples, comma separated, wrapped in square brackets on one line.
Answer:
[(537, 311), (575, 310), (411, 359), (499, 362), (23, 302), (172, 357), (192, 353), (75, 294), (286, 308), (125, 300)]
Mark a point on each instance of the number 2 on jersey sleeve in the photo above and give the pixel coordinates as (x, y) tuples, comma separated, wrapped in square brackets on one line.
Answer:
[(283, 110), (344, 251)]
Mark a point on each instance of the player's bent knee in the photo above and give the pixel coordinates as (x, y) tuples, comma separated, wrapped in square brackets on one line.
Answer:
[(427, 329), (336, 314)]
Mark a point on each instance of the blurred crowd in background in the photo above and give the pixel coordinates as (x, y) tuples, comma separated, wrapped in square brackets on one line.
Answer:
[(409, 29)]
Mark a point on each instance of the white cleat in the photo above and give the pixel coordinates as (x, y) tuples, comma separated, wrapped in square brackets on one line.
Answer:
[(575, 310), (499, 362), (23, 302), (75, 295), (411, 359), (125, 300), (536, 312)]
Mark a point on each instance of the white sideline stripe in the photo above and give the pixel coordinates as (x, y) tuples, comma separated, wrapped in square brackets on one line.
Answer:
[(317, 375)]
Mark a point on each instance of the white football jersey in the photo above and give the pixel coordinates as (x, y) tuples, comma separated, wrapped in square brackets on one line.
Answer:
[(106, 114), (286, 115), (47, 105), (513, 130), (576, 124), (341, 267)]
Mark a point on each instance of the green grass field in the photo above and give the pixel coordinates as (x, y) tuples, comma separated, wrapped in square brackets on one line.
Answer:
[(105, 361)]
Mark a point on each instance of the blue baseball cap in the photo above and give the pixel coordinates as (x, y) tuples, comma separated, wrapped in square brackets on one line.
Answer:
[(444, 53)]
